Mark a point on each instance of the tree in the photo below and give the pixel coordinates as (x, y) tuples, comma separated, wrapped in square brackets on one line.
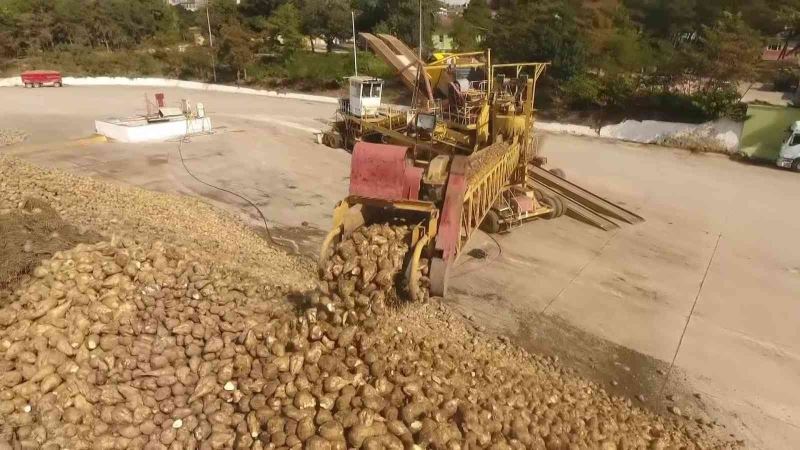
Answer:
[(728, 52), (264, 8), (543, 31), (235, 48), (786, 23), (666, 19), (70, 24), (326, 19), (400, 18), (615, 45), (221, 13), (470, 30), (283, 30)]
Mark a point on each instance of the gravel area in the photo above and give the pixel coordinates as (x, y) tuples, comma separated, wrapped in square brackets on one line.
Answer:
[(11, 136), (114, 210)]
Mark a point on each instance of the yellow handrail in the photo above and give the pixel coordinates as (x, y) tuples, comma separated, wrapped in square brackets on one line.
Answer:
[(483, 192)]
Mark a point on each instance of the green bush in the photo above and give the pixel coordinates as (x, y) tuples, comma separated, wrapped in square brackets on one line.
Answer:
[(619, 91), (583, 91), (306, 70), (589, 91), (785, 79), (194, 63), (718, 101), (79, 62)]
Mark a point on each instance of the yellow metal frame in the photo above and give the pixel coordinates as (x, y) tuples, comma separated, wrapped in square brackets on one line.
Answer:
[(445, 61), (539, 68), (482, 193)]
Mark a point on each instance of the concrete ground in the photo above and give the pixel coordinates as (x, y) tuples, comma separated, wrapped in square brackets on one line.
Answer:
[(764, 93), (710, 280)]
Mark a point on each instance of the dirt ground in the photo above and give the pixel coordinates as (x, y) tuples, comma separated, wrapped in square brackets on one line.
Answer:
[(613, 305), (31, 234)]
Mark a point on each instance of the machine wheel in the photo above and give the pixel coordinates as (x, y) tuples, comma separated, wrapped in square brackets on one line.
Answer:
[(38, 85), (558, 172), (553, 203), (562, 206), (59, 84), (439, 272), (796, 165), (491, 224), (332, 140)]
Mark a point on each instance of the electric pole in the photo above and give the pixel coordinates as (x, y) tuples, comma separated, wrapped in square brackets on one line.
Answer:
[(211, 42), (420, 30)]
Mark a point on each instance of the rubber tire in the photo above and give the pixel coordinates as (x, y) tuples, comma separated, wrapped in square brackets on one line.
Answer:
[(59, 84), (552, 202), (439, 274), (38, 85), (562, 206), (558, 172), (796, 165), (491, 223)]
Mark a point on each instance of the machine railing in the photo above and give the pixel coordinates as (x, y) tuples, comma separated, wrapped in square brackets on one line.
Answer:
[(483, 190), (344, 105), (480, 86), (463, 115)]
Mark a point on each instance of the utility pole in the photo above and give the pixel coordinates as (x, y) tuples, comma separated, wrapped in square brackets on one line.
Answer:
[(420, 30), (355, 52), (211, 42)]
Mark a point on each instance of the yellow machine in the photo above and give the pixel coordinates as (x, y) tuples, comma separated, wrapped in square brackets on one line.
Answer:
[(463, 156)]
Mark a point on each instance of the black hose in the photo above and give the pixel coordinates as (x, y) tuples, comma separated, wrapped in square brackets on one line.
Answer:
[(183, 163)]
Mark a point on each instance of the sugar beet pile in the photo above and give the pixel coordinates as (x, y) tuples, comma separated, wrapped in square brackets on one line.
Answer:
[(136, 342)]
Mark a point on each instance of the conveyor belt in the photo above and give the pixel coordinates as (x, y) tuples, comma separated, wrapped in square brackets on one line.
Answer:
[(576, 210), (581, 196), (400, 48), (402, 59)]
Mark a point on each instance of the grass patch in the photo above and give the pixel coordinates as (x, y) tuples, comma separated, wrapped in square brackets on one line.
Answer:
[(314, 71), (74, 62), (303, 70)]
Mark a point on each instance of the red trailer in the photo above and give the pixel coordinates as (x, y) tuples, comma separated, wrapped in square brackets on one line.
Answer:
[(39, 78)]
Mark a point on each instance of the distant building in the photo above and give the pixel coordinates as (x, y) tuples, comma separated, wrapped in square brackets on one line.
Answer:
[(453, 6), (442, 41), (191, 5), (781, 49), (461, 3)]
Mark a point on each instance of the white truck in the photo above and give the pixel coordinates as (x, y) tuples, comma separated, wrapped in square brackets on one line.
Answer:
[(789, 157)]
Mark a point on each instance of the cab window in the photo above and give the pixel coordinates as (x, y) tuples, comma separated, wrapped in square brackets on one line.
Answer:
[(795, 140)]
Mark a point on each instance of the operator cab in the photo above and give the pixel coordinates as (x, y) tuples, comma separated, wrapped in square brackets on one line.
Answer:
[(365, 96)]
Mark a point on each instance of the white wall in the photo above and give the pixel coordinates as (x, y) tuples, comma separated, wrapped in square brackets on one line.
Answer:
[(152, 132), (164, 82), (726, 131)]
